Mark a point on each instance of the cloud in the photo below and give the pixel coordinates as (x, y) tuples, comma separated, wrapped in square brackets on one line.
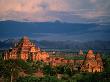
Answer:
[(51, 10), (93, 1)]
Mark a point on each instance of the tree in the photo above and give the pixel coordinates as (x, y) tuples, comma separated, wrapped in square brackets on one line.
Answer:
[(11, 69), (1, 65), (49, 79), (28, 79), (49, 70)]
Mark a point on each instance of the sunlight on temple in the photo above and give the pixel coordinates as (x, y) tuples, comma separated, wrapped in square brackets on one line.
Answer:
[(25, 50)]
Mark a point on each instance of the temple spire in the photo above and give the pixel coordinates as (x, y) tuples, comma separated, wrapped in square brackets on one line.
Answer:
[(25, 38), (80, 52)]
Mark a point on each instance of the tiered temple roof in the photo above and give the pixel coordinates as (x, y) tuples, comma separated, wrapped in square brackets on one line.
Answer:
[(24, 50)]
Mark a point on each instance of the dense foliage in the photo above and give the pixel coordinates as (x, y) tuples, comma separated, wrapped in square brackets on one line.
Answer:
[(10, 69)]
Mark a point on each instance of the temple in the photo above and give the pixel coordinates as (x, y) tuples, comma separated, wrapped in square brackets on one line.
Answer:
[(92, 63), (25, 50), (80, 52)]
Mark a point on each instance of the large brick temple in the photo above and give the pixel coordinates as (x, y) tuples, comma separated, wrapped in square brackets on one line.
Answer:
[(24, 50)]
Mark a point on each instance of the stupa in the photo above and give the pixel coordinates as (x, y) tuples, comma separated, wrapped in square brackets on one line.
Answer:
[(92, 63)]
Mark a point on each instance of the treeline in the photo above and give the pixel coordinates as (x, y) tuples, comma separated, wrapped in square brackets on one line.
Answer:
[(10, 71)]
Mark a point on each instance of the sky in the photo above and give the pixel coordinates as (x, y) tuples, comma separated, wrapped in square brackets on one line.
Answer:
[(30, 12), (74, 11)]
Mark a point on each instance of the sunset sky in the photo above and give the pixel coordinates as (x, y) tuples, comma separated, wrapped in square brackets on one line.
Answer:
[(50, 10)]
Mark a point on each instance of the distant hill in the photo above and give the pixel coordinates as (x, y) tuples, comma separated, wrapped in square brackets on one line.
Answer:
[(102, 46)]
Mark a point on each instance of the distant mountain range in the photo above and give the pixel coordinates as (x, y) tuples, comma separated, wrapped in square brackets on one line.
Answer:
[(55, 31), (101, 46), (57, 35)]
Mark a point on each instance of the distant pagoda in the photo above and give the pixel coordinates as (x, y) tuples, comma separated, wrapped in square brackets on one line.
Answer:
[(80, 52), (24, 50)]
